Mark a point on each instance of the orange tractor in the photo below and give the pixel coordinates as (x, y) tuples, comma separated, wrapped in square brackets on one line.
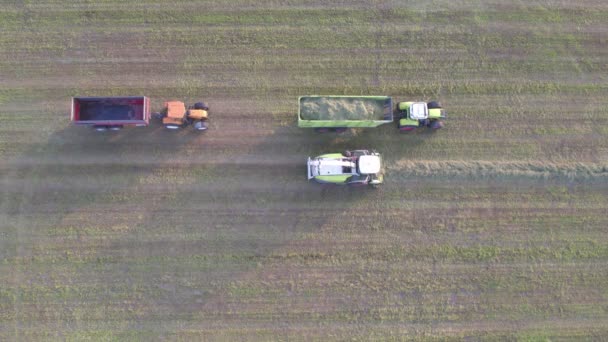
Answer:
[(175, 115)]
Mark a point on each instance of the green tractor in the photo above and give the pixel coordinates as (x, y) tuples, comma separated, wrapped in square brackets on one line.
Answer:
[(358, 167), (420, 114)]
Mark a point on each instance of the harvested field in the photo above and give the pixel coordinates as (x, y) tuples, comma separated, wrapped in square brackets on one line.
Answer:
[(493, 228), (331, 108)]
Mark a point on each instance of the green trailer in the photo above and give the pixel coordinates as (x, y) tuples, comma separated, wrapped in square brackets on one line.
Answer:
[(339, 112)]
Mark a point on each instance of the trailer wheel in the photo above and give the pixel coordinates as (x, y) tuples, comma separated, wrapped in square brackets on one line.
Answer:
[(100, 128), (433, 104), (172, 127), (115, 128), (340, 130), (321, 130)]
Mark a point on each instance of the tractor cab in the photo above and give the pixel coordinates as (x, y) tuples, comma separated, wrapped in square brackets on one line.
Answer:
[(420, 114), (368, 164), (418, 111)]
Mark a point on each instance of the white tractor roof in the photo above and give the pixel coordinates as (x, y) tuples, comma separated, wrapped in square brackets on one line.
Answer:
[(369, 165), (419, 111)]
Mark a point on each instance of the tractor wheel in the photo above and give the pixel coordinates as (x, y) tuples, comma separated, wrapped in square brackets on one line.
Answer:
[(200, 126), (201, 105), (436, 124), (433, 104)]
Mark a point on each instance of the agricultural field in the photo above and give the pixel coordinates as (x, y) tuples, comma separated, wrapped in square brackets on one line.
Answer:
[(492, 228)]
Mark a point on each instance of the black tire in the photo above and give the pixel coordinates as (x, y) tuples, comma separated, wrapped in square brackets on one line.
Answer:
[(433, 104), (201, 105), (436, 124), (200, 126)]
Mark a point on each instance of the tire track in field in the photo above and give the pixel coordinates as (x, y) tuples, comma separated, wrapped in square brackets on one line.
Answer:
[(382, 8), (244, 165), (501, 169)]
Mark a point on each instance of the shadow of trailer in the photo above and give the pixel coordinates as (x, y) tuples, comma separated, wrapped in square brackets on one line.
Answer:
[(111, 113), (337, 113)]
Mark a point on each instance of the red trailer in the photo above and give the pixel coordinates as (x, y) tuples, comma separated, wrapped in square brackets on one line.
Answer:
[(111, 113)]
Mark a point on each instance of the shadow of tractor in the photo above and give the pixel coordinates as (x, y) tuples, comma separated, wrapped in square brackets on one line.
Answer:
[(172, 222)]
